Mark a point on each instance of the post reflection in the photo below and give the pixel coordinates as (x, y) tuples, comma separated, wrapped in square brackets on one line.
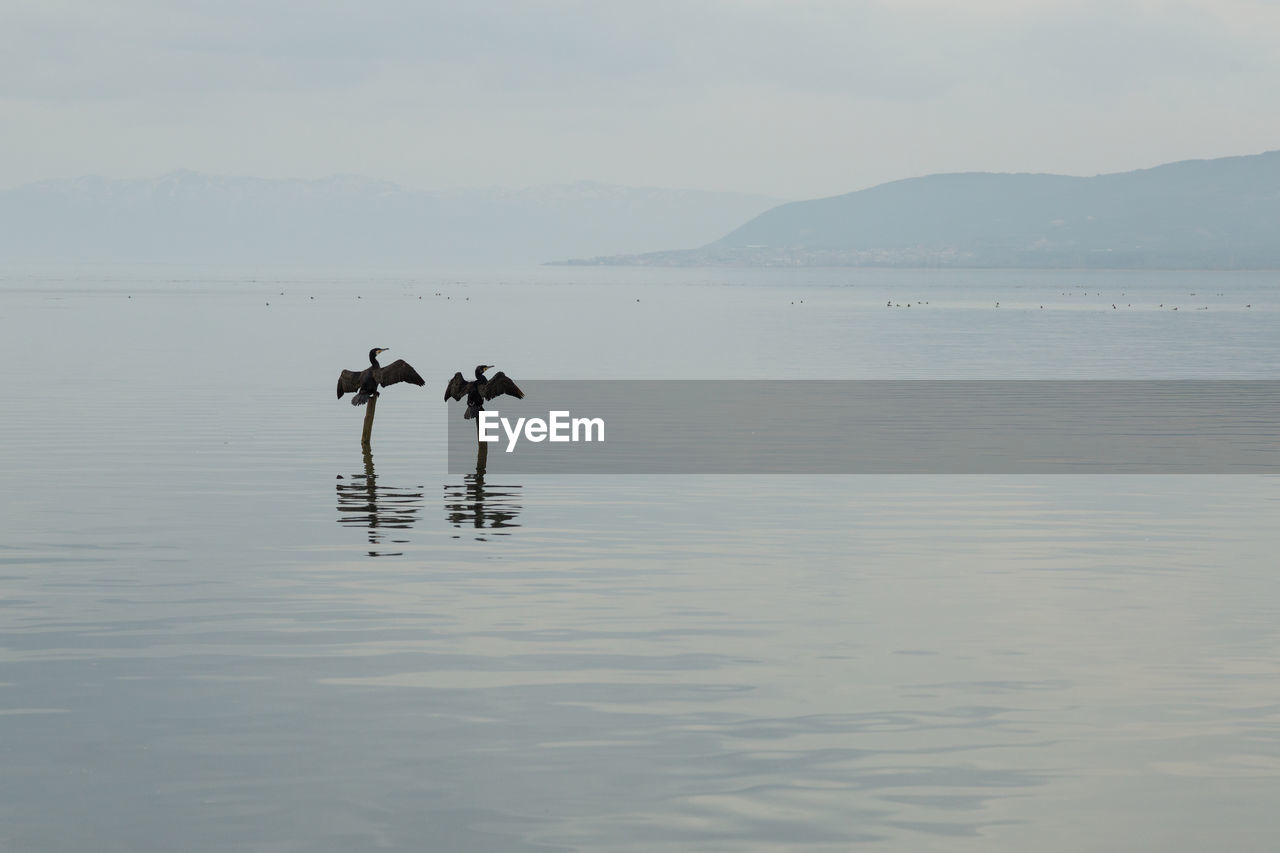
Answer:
[(487, 509), (380, 509)]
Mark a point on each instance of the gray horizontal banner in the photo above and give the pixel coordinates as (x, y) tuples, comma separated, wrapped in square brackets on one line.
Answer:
[(875, 427)]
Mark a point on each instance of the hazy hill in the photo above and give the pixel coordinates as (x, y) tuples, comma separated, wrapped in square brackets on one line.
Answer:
[(186, 217), (1197, 213)]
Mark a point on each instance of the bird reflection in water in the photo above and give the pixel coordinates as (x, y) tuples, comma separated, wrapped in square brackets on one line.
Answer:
[(382, 510), (489, 510)]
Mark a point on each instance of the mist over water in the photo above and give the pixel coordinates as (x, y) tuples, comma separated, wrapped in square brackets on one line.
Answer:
[(223, 625)]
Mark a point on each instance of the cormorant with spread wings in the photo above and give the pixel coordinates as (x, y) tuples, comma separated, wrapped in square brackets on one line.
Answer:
[(365, 383), (481, 389)]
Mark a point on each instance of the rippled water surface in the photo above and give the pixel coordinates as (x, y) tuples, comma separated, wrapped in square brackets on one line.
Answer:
[(223, 626)]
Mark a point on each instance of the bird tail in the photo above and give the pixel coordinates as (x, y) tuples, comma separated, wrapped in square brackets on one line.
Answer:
[(360, 398), (471, 412)]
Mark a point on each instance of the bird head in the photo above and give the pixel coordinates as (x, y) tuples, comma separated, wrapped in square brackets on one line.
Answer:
[(481, 368), (373, 353)]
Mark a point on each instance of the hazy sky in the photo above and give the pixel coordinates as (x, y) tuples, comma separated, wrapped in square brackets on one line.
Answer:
[(794, 99)]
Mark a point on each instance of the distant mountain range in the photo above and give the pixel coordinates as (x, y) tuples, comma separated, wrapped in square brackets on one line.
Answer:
[(187, 217), (1209, 214)]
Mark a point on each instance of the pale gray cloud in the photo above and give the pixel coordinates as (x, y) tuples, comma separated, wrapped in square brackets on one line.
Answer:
[(788, 98)]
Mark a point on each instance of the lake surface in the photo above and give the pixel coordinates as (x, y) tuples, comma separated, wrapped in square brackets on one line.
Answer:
[(223, 626)]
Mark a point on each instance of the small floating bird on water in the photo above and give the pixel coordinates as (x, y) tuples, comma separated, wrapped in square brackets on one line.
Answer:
[(481, 389), (364, 383)]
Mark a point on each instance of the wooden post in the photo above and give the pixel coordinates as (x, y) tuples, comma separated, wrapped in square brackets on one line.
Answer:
[(482, 456), (482, 451), (370, 408)]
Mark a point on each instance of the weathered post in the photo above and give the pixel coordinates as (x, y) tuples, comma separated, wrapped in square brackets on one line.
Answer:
[(482, 455), (370, 408)]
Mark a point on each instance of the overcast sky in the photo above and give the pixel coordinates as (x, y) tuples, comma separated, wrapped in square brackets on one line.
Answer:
[(792, 99)]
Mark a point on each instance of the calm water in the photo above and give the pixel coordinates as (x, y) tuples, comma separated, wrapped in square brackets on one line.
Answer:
[(224, 627)]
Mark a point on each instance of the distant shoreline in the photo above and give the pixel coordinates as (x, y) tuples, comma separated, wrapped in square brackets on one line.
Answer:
[(643, 262)]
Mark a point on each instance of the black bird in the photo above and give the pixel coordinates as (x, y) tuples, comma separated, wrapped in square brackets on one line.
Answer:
[(365, 382), (481, 389)]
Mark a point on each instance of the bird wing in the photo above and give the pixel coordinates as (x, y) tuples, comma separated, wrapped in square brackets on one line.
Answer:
[(501, 384), (348, 382), (399, 371), (457, 388)]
